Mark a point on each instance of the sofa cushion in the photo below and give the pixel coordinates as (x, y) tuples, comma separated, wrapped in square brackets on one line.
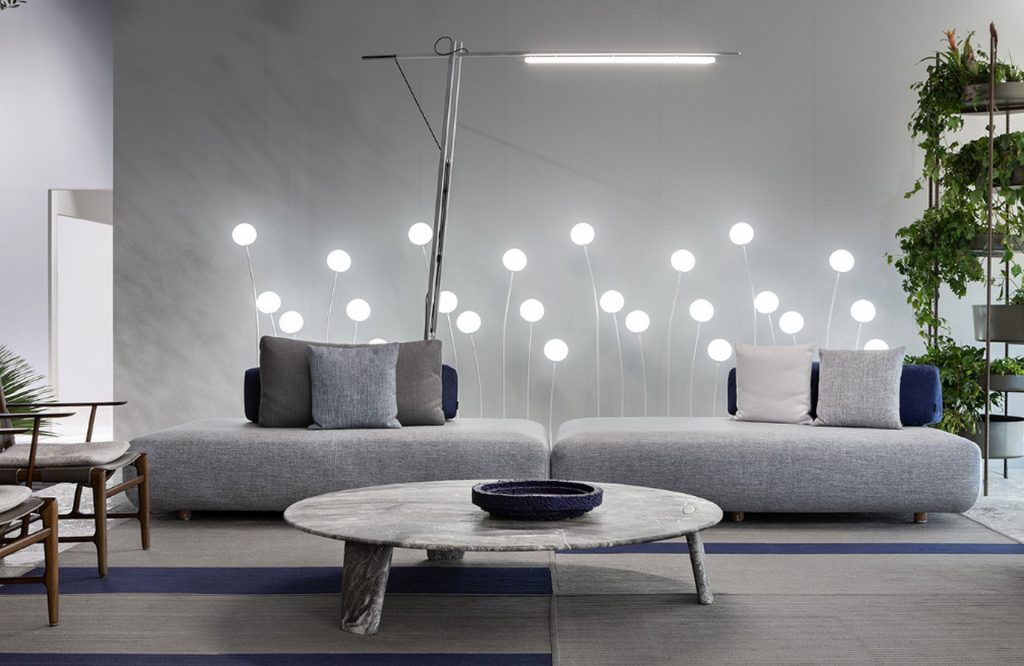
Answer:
[(773, 383), (860, 387), (285, 400), (920, 394), (353, 387)]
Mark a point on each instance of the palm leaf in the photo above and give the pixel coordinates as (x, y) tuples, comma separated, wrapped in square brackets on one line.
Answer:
[(21, 383)]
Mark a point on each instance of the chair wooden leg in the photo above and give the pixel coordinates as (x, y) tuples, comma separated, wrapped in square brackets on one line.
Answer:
[(98, 483), (76, 507), (142, 470), (50, 550)]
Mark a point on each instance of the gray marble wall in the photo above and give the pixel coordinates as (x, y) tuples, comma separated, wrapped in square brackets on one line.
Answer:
[(232, 111)]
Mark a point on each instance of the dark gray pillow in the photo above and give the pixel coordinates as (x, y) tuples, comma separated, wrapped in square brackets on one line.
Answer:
[(353, 387), (860, 388), (285, 400)]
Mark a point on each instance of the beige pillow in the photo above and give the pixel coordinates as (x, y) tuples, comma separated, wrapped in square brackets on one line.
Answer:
[(773, 384)]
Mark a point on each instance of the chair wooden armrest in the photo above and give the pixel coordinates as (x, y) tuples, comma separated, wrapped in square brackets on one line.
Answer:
[(80, 403), (37, 416), (14, 431)]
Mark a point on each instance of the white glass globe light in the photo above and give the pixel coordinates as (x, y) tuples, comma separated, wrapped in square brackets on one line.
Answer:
[(556, 350), (339, 261), (719, 350), (683, 261), (378, 341), (741, 233), (421, 233), (841, 261), (582, 234), (637, 321), (791, 322), (701, 310), (468, 322), (290, 322), (244, 234), (766, 302), (612, 301), (514, 260), (447, 302), (876, 344), (358, 310), (268, 302), (863, 311), (531, 310)]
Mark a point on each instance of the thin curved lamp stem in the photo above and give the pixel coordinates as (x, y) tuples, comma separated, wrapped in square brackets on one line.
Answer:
[(860, 327), (529, 362), (504, 335), (643, 369), (753, 292), (426, 259), (831, 309), (714, 403), (693, 365), (668, 349), (771, 326), (622, 372), (479, 381), (330, 308), (273, 324), (252, 280), (551, 402), (355, 332), (597, 330), (455, 351)]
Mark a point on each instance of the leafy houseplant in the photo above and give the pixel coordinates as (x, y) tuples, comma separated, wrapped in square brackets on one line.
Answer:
[(21, 383), (963, 394)]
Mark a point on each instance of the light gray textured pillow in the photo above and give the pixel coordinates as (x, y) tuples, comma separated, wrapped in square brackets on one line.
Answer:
[(860, 388), (773, 384), (353, 387)]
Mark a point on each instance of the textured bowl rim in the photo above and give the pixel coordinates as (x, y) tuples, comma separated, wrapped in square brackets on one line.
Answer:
[(493, 488)]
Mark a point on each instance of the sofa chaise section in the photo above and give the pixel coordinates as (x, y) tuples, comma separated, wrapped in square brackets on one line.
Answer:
[(779, 468), (234, 465)]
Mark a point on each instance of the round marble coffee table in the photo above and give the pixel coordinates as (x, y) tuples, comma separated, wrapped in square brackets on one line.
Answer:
[(439, 517)]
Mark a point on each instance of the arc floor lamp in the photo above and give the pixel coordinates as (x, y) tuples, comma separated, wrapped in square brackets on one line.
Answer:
[(455, 54)]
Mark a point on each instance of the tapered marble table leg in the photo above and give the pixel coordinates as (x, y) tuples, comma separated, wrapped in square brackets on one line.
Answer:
[(700, 568), (444, 555), (362, 588)]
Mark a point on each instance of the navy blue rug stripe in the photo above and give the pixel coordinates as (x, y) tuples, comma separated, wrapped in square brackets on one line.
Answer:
[(275, 659), (815, 549), (518, 581)]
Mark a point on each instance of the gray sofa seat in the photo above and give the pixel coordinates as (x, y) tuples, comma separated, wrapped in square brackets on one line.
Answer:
[(768, 467), (234, 465)]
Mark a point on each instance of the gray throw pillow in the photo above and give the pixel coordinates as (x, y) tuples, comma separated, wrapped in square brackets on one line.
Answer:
[(860, 388), (285, 400), (773, 384), (353, 387)]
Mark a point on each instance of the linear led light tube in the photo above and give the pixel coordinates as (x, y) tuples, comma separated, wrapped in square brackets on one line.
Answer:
[(619, 59)]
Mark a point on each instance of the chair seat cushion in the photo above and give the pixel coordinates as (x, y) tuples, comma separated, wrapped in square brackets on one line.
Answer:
[(64, 455), (13, 496)]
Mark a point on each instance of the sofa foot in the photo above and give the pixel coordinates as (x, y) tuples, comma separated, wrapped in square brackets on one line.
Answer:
[(921, 517), (184, 515), (736, 516)]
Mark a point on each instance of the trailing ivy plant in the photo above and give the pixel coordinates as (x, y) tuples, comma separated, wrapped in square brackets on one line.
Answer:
[(21, 383), (1008, 366)]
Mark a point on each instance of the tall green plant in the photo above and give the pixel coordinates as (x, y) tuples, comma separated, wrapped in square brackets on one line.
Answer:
[(21, 383), (960, 370)]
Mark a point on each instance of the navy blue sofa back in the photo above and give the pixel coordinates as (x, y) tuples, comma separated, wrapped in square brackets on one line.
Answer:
[(920, 394), (449, 393)]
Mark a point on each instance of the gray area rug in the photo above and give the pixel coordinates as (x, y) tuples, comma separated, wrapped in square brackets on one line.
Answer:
[(788, 589)]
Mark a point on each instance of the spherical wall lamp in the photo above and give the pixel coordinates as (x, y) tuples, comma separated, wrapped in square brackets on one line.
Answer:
[(637, 322), (582, 234), (682, 261), (446, 304), (841, 261), (701, 311), (378, 341), (468, 323), (767, 302), (420, 235), (720, 351), (268, 302), (863, 312), (612, 302), (244, 235), (532, 311), (514, 261), (357, 310), (791, 322), (290, 322), (876, 344), (338, 261), (741, 234), (556, 351)]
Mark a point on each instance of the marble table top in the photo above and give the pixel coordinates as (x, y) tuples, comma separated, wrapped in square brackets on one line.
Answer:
[(439, 515)]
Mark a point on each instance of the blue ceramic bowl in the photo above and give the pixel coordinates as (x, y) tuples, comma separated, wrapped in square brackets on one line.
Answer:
[(536, 500)]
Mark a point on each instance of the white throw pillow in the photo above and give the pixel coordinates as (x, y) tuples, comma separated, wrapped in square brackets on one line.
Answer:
[(773, 384)]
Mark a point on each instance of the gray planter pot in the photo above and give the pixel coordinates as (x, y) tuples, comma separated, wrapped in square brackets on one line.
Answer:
[(1007, 323), (1009, 96), (1012, 383), (1006, 439)]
